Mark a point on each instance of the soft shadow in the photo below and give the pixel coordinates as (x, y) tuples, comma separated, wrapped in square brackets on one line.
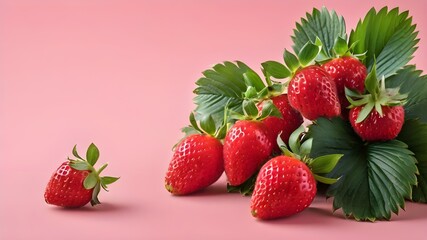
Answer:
[(101, 208), (213, 190)]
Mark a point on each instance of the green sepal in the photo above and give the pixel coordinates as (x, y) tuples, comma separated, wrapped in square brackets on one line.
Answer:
[(269, 110), (305, 148), (308, 53), (371, 82), (294, 139), (325, 180), (276, 69), (91, 180), (341, 47), (291, 61), (193, 123), (94, 201), (92, 154), (207, 124), (364, 113), (251, 93), (250, 109), (324, 164), (283, 147), (79, 165), (75, 152), (107, 180), (253, 80)]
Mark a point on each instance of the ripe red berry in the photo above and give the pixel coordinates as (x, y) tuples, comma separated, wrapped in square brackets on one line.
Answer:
[(284, 186), (313, 93), (196, 163)]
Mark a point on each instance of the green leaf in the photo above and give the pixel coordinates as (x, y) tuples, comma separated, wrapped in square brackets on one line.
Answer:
[(245, 188), (250, 109), (92, 154), (208, 124), (325, 164), (308, 53), (305, 148), (91, 180), (222, 85), (366, 110), (388, 36), (95, 193), (75, 152), (193, 123), (414, 133), (375, 178), (411, 82), (79, 165), (325, 25), (107, 180), (291, 61), (253, 80), (371, 81), (276, 69)]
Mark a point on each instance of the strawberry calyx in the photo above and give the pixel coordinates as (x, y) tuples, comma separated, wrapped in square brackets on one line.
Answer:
[(207, 125), (300, 147), (93, 180), (376, 97), (339, 50)]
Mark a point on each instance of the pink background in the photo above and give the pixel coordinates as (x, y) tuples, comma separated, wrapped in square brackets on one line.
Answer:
[(121, 74)]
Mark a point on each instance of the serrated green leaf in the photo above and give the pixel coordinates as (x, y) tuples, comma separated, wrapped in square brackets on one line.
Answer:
[(308, 53), (90, 181), (92, 154), (375, 178), (291, 61), (276, 69), (207, 124), (325, 164), (414, 84), (75, 152), (414, 133), (79, 165), (388, 36), (325, 25), (222, 85)]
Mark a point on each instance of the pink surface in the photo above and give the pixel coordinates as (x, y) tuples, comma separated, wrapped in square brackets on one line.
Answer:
[(121, 74)]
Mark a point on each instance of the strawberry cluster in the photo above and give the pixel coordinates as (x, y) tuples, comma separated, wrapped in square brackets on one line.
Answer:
[(260, 142)]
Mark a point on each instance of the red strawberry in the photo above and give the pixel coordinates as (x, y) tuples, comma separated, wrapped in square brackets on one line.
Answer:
[(346, 72), (284, 186), (196, 163), (291, 120), (376, 127), (377, 115), (76, 182), (246, 147), (312, 92)]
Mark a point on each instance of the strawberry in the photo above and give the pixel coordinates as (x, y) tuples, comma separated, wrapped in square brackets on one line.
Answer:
[(377, 115), (346, 72), (284, 186), (198, 160), (76, 183), (312, 92), (247, 146), (376, 127), (196, 163), (290, 120)]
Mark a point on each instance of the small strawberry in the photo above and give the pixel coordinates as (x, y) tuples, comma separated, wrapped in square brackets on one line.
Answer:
[(286, 185), (76, 183), (248, 143), (197, 161), (246, 147), (378, 115), (312, 92), (346, 72), (289, 122)]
